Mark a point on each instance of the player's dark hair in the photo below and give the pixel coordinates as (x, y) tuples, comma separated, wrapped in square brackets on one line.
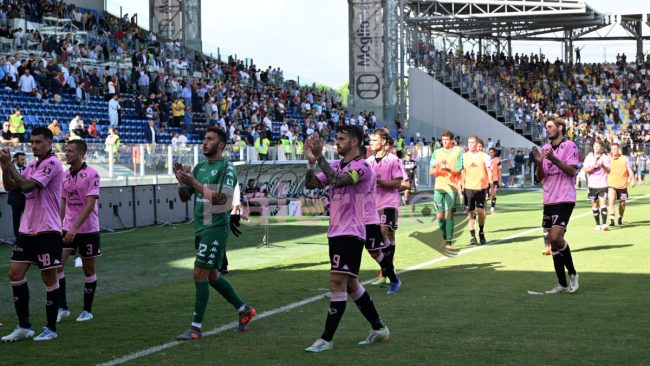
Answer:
[(81, 145), (43, 131), (219, 131), (448, 134), (355, 132), (493, 149), (18, 154), (614, 144)]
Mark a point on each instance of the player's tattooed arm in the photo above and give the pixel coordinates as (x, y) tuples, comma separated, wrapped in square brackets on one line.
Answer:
[(312, 181), (14, 180), (336, 180)]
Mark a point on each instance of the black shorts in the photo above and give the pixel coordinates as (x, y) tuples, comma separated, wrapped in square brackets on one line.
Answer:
[(388, 217), (84, 245), (557, 215), (345, 254), (621, 194), (475, 199), (374, 238), (43, 249), (596, 193)]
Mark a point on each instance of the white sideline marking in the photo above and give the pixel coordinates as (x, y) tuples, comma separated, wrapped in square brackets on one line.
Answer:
[(266, 314)]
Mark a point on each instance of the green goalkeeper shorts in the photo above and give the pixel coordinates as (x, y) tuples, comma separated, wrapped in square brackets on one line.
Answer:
[(210, 246), (444, 201)]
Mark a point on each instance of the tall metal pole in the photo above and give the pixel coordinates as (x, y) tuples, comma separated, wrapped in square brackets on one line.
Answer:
[(402, 61)]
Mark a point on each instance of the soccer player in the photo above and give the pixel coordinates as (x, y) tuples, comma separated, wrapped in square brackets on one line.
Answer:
[(388, 169), (476, 173), (597, 167), (80, 225), (410, 167), (557, 166), (620, 174), (39, 239), (212, 183), (350, 182), (446, 164), (496, 177)]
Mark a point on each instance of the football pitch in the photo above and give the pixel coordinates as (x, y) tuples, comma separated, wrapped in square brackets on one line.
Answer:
[(469, 309)]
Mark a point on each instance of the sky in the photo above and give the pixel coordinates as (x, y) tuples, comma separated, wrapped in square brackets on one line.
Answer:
[(309, 38)]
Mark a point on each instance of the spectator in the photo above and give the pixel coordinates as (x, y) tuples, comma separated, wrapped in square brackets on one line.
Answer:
[(92, 129), (79, 131), (182, 141), (74, 123), (512, 171), (7, 137), (187, 118), (16, 198), (178, 112), (56, 129), (151, 136), (113, 111), (27, 84), (262, 146), (17, 125), (112, 142)]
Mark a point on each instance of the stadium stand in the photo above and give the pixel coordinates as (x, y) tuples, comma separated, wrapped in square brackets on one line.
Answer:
[(80, 58), (608, 102)]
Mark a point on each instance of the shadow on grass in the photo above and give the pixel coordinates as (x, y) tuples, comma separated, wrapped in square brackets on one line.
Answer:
[(633, 224), (514, 228), (602, 247)]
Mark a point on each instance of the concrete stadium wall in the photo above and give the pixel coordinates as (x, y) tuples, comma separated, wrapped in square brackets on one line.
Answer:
[(434, 108)]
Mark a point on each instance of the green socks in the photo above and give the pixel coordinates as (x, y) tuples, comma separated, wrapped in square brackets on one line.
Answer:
[(449, 229), (201, 301), (225, 289), (441, 226)]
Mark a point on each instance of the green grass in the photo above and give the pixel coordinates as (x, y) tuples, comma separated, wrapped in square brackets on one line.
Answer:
[(468, 310)]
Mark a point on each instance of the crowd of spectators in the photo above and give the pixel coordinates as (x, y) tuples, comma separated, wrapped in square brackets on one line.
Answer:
[(609, 102), (161, 82)]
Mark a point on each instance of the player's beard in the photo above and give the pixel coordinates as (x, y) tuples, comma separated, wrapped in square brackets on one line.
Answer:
[(210, 152), (342, 150)]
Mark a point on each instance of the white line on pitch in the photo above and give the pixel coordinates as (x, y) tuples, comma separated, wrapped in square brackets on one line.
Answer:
[(266, 314)]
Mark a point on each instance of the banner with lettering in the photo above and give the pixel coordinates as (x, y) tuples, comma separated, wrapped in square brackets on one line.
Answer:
[(367, 55)]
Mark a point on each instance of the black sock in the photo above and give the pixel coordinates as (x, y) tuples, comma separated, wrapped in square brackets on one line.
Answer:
[(596, 216), (21, 303), (620, 220), (603, 215), (568, 260), (387, 266), (63, 301), (334, 315), (480, 229), (89, 295), (558, 263), (611, 219), (52, 306), (473, 233), (367, 308), (494, 202)]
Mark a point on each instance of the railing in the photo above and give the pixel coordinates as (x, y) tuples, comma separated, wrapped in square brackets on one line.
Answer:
[(135, 164)]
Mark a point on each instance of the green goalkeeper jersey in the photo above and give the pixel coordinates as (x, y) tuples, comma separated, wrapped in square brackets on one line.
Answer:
[(219, 176)]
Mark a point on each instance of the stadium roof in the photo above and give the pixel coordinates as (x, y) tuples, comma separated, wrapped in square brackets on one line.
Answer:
[(511, 19)]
